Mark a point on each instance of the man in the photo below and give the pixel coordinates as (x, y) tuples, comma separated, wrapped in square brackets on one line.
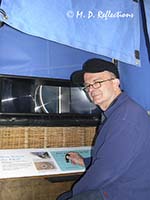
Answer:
[(119, 168)]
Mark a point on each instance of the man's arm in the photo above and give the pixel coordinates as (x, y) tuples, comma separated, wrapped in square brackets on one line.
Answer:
[(111, 160)]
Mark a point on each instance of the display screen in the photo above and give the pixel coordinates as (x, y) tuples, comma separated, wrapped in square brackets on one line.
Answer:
[(47, 96), (16, 95)]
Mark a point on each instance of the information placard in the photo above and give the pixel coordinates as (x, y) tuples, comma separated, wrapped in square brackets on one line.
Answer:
[(37, 162)]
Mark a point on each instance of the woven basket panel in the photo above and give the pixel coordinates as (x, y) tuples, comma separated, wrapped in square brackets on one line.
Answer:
[(65, 136), (36, 137), (73, 136), (45, 137), (12, 138), (89, 135), (54, 137)]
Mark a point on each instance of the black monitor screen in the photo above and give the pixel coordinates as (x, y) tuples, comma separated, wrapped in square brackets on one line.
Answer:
[(36, 96), (16, 96)]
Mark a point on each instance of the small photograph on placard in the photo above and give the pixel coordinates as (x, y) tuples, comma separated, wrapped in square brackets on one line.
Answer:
[(41, 154), (45, 165)]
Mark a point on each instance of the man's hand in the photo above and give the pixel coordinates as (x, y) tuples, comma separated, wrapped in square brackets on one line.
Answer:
[(75, 158)]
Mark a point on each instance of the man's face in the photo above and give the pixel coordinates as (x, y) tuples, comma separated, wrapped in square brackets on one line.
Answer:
[(104, 93)]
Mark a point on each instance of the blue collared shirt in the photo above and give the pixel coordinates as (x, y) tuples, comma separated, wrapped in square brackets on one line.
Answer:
[(120, 163)]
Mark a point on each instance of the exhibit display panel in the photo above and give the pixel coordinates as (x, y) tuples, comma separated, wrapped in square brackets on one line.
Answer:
[(43, 99)]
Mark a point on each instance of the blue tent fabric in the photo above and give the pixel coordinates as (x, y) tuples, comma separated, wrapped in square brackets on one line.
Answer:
[(136, 81), (73, 23), (26, 55)]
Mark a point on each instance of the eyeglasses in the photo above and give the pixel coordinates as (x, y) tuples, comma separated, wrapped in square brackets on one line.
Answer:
[(95, 85)]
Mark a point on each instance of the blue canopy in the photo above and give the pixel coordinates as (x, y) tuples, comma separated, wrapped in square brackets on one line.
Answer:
[(50, 38), (95, 26)]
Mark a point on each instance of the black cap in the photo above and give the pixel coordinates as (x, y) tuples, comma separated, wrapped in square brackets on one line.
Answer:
[(93, 65)]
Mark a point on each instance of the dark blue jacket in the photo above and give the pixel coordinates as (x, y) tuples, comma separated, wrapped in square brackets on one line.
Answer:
[(120, 163)]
